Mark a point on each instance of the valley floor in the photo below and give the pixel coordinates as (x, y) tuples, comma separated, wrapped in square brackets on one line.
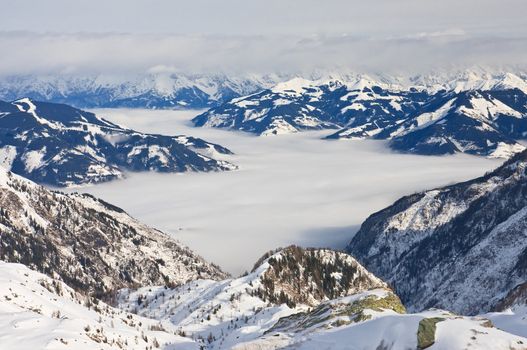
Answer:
[(289, 189)]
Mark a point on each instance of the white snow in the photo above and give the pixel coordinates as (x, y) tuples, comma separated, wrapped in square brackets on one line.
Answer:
[(7, 156), (26, 105), (295, 86), (33, 159), (504, 150), (484, 110)]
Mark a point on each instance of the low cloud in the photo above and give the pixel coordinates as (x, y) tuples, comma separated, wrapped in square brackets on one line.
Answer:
[(114, 53), (289, 189)]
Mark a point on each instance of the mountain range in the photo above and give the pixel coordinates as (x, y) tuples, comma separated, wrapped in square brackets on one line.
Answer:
[(476, 118), (440, 269), (153, 90), (60, 145)]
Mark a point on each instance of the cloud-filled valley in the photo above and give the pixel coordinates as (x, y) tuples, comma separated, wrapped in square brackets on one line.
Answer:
[(289, 189)]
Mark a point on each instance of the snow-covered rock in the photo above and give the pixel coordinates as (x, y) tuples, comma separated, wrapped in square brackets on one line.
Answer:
[(63, 146), (462, 247), (387, 329), (91, 245)]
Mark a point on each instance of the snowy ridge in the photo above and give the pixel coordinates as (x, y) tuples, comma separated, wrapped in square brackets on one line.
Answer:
[(231, 314), (235, 310), (460, 247), (91, 245), (63, 146)]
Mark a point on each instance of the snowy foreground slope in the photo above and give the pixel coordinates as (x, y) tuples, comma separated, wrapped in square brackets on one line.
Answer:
[(59, 145), (318, 303), (38, 312), (91, 245), (462, 247), (294, 298), (482, 119)]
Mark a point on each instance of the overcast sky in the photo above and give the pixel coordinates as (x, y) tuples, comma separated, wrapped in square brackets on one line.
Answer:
[(258, 36)]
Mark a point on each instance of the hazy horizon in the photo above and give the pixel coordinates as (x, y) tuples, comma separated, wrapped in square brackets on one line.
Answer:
[(118, 37)]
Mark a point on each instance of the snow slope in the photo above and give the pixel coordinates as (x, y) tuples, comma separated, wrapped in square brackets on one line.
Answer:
[(38, 312), (235, 314), (235, 310)]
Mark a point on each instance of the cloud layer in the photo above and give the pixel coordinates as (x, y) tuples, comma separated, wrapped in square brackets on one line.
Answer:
[(121, 36), (107, 53), (289, 189)]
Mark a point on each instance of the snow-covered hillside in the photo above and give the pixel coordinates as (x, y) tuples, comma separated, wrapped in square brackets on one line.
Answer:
[(460, 247), (38, 312), (91, 245), (62, 146), (344, 306), (476, 116)]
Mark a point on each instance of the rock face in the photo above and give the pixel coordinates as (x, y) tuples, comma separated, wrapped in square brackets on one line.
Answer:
[(462, 247), (91, 245), (481, 119), (59, 145), (310, 276)]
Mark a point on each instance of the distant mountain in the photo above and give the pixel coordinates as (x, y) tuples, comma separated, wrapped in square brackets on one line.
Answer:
[(60, 145), (461, 247), (94, 247), (300, 104), (486, 118), (156, 91), (308, 299)]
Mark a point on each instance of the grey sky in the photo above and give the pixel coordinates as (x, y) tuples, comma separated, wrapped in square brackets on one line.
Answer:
[(258, 35)]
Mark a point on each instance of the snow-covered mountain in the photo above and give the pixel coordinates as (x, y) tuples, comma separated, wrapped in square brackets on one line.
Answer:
[(301, 104), (322, 299), (62, 146), (91, 245), (483, 116), (155, 90), (462, 247)]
